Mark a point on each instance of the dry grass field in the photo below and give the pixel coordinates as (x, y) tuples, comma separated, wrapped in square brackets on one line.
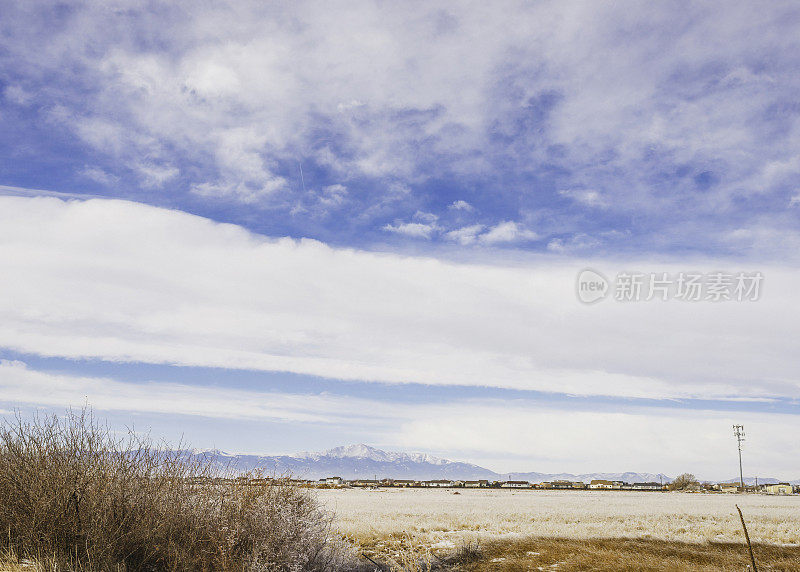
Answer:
[(569, 530)]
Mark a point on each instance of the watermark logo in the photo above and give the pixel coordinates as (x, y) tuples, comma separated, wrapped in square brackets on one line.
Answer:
[(592, 286)]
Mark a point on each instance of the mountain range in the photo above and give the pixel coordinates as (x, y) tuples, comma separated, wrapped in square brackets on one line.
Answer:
[(363, 461)]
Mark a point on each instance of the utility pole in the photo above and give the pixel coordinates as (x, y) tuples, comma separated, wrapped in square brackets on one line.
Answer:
[(738, 432)]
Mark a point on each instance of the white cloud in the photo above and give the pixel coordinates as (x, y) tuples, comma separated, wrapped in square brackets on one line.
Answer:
[(154, 176), (333, 196), (415, 229), (465, 235), (425, 217), (98, 175), (17, 95), (461, 205), (586, 197), (575, 243), (507, 231), (320, 204), (126, 282)]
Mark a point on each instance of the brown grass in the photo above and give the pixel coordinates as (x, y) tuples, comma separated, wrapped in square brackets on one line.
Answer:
[(75, 495), (614, 555)]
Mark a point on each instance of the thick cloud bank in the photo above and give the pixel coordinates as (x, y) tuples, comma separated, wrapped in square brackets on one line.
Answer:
[(122, 281)]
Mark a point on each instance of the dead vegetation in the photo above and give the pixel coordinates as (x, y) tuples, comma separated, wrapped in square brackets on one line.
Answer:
[(403, 553), (613, 555), (74, 496)]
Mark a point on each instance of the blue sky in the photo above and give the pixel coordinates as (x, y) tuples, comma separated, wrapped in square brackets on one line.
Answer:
[(430, 177)]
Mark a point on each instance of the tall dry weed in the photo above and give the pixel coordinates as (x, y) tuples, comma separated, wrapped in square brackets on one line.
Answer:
[(73, 492)]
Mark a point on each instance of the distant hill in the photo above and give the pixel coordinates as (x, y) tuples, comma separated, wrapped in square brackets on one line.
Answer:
[(351, 462), (363, 461), (587, 477), (761, 481)]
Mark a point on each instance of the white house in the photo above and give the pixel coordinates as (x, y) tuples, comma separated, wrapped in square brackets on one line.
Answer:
[(438, 483), (600, 484), (515, 485)]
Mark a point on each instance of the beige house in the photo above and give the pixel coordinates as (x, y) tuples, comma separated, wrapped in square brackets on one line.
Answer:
[(476, 484), (778, 489), (364, 483), (728, 487), (403, 483)]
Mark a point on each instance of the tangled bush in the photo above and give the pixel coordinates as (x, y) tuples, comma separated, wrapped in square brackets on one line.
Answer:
[(684, 482), (74, 494)]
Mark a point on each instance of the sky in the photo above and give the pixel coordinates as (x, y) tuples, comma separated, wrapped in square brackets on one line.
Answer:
[(275, 227)]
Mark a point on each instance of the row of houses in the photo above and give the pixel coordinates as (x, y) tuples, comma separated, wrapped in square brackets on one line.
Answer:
[(597, 484), (448, 483)]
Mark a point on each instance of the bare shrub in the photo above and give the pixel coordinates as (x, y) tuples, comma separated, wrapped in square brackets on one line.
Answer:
[(684, 482), (73, 492)]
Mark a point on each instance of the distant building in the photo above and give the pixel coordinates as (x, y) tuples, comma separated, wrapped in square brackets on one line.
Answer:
[(300, 482), (728, 487), (647, 486), (601, 484), (403, 483), (561, 485), (333, 480), (365, 483), (438, 483), (515, 485), (778, 489), (476, 484)]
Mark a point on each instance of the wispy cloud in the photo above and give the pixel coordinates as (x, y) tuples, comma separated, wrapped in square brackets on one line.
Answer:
[(508, 231), (586, 197), (578, 243), (461, 205), (505, 232), (218, 105), (415, 229), (23, 385), (154, 175), (99, 176), (536, 436), (466, 235)]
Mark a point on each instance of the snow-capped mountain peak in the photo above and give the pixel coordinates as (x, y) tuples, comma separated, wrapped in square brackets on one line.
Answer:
[(359, 451), (363, 451), (364, 461), (210, 452)]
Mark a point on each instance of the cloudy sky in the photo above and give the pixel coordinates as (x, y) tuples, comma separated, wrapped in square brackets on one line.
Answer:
[(273, 227)]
